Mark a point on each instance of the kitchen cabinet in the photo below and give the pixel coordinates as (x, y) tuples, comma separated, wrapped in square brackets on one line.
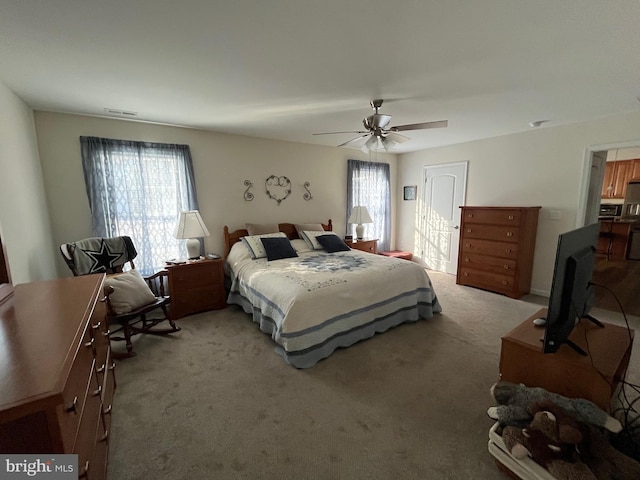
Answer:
[(617, 175)]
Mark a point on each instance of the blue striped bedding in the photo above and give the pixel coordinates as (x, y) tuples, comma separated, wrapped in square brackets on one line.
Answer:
[(317, 302)]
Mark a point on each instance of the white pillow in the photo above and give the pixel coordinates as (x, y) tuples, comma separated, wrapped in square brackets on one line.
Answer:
[(309, 236), (301, 227), (254, 244), (300, 245), (130, 292)]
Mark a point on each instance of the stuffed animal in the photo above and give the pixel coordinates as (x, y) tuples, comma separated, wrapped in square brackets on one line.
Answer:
[(541, 441), (515, 402)]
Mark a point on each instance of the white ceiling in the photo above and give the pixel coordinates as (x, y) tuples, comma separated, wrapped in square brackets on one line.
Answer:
[(285, 69)]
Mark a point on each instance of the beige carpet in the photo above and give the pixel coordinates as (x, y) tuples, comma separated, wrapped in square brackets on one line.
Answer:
[(215, 401)]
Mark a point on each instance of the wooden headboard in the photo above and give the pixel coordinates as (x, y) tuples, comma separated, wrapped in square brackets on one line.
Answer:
[(288, 228)]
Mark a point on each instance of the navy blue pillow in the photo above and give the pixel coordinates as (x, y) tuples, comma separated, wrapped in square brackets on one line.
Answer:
[(332, 243), (278, 247)]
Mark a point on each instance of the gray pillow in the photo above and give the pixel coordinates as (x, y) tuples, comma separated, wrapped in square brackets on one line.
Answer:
[(130, 292), (278, 248), (301, 227)]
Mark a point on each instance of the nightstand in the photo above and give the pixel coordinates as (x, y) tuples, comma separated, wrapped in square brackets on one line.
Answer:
[(196, 286), (366, 245)]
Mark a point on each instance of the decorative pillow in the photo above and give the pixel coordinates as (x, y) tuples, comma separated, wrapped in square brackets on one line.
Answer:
[(314, 227), (261, 228), (130, 292), (310, 237), (332, 243), (300, 245), (278, 248), (254, 244)]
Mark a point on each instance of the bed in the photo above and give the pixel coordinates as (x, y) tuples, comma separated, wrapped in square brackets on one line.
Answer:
[(316, 302)]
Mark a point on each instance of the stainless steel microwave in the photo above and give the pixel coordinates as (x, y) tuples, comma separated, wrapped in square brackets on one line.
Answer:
[(610, 210)]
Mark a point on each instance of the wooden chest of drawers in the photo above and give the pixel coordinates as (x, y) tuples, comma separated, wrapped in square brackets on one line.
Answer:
[(57, 373), (496, 248), (196, 287)]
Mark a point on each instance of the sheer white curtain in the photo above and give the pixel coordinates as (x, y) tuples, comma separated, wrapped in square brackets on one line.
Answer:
[(138, 189), (368, 185)]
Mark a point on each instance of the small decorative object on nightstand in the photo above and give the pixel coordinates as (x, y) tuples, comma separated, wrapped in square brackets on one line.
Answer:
[(369, 245), (196, 287)]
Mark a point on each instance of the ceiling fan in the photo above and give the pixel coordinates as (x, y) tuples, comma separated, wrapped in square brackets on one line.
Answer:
[(378, 135)]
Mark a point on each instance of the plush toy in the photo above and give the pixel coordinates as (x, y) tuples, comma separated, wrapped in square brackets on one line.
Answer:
[(541, 441), (515, 402)]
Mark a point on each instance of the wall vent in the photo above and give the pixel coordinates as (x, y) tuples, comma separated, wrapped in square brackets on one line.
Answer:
[(120, 113)]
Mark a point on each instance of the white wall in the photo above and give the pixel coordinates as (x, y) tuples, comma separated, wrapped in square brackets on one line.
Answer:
[(542, 167), (23, 210), (221, 163)]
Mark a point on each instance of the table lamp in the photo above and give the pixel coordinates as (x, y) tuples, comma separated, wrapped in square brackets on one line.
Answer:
[(359, 215), (191, 227)]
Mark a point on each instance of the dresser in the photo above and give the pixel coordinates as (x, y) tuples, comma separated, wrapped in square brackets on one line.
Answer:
[(496, 248), (196, 287), (57, 372)]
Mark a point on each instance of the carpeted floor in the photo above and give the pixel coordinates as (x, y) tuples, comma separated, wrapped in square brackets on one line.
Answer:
[(215, 401)]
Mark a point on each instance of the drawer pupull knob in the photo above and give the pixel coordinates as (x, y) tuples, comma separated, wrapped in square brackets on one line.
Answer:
[(466, 259), (506, 267), (470, 215), (107, 333), (467, 245), (510, 217), (89, 344), (468, 230), (96, 326), (113, 366), (97, 391), (107, 411), (465, 274), (71, 408), (101, 368), (505, 282), (508, 250), (509, 234), (105, 437)]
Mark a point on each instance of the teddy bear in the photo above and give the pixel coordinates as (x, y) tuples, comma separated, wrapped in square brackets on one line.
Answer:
[(515, 403), (550, 440)]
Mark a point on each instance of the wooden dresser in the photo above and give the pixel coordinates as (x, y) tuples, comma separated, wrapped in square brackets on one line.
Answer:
[(196, 287), (496, 248), (56, 372), (366, 245)]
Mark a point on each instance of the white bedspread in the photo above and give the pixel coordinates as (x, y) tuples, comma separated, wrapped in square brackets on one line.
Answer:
[(320, 301)]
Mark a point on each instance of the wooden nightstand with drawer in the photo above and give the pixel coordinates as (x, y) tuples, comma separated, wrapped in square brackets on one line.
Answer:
[(196, 287), (366, 245)]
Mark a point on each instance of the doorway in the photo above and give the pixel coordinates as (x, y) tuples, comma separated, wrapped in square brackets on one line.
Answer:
[(439, 215), (616, 277)]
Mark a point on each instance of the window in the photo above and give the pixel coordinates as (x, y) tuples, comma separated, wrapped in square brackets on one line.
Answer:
[(368, 184), (138, 189)]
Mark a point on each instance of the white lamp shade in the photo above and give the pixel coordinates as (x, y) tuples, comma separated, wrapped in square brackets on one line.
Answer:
[(359, 214), (191, 226)]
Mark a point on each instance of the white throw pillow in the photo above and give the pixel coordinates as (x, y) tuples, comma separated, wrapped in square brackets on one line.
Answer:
[(310, 238), (254, 244), (130, 292)]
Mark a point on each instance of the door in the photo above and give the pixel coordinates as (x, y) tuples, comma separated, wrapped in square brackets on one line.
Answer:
[(443, 194)]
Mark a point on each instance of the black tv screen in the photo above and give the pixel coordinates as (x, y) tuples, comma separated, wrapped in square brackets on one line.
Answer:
[(571, 295)]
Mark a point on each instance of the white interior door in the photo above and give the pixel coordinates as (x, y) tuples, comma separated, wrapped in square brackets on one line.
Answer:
[(443, 194)]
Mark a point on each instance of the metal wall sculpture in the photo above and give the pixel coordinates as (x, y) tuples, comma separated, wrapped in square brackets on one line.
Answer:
[(277, 188), (307, 195), (248, 196)]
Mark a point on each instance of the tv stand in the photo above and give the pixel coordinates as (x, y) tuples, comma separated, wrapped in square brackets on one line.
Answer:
[(595, 377)]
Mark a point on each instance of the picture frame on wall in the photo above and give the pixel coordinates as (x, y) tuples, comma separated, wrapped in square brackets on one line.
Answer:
[(410, 192)]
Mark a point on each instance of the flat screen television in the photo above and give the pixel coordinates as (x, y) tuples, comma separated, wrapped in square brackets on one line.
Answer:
[(572, 295)]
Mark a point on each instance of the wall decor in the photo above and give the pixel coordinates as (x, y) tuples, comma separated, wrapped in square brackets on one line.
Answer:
[(277, 188), (248, 196), (410, 192), (307, 195)]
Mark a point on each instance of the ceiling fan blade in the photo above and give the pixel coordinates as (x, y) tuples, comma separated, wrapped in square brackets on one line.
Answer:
[(420, 126), (354, 141), (333, 133), (396, 137)]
